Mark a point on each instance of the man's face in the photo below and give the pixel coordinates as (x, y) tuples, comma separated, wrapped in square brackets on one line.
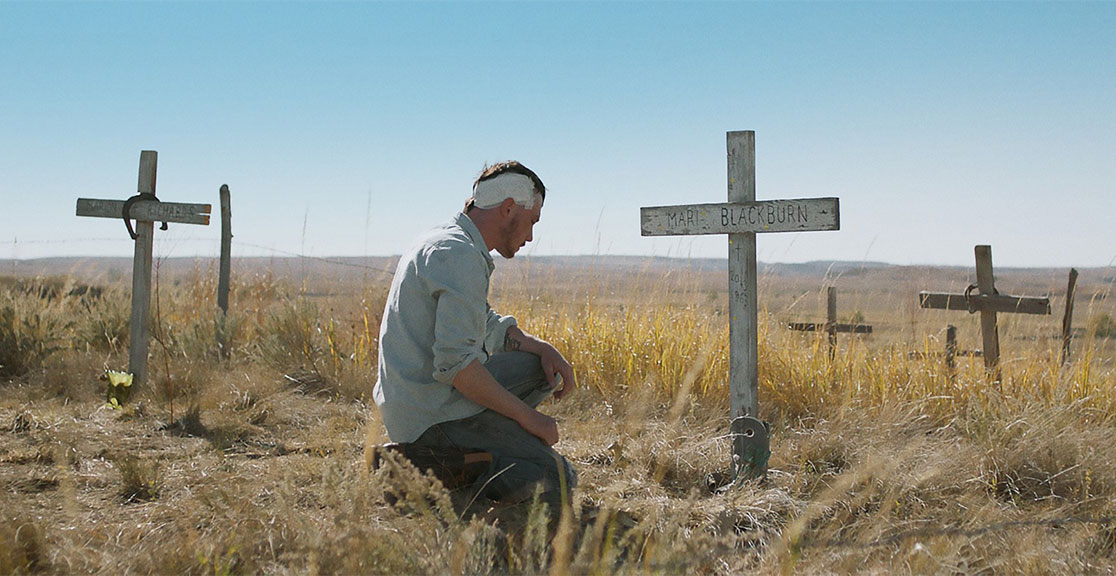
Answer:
[(519, 229)]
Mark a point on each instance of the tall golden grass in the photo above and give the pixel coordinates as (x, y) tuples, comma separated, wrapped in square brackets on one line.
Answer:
[(255, 457)]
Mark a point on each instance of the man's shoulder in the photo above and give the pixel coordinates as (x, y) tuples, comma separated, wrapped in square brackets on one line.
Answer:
[(448, 236), (448, 243)]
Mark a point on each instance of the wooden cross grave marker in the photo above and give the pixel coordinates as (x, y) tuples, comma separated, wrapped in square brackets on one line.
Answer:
[(988, 302), (951, 353), (831, 326), (742, 217), (145, 209)]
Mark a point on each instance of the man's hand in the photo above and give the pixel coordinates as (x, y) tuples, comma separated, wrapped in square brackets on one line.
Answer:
[(554, 363), (476, 383), (541, 425)]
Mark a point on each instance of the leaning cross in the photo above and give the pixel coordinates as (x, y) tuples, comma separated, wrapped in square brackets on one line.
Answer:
[(741, 218), (831, 326), (145, 208), (988, 302)]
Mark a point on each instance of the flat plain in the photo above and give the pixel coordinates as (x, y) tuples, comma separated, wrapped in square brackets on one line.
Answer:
[(254, 457)]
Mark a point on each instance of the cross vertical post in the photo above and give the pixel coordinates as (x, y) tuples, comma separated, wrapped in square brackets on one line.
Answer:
[(139, 326), (987, 285), (743, 323)]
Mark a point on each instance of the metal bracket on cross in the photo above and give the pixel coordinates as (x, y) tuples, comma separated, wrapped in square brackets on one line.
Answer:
[(742, 217), (751, 447)]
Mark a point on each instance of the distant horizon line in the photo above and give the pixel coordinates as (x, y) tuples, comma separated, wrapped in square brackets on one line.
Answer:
[(704, 259)]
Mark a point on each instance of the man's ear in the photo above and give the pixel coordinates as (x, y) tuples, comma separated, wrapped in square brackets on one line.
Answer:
[(507, 206)]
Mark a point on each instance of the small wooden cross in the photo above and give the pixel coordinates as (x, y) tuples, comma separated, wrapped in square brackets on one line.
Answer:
[(951, 351), (741, 218), (831, 326), (145, 211), (988, 302)]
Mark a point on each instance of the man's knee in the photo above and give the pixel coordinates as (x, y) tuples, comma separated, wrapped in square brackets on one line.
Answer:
[(518, 479), (521, 373), (515, 364)]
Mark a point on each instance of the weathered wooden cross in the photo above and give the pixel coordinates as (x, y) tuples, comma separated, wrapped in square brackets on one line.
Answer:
[(145, 208), (988, 302), (831, 326), (951, 351), (742, 218)]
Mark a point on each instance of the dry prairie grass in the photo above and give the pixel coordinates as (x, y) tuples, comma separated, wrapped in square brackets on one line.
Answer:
[(254, 458)]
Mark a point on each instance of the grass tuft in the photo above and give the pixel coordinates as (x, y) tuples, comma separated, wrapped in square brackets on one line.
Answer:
[(23, 546), (140, 481)]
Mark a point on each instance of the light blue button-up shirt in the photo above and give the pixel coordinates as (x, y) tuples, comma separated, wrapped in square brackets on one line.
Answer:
[(436, 321)]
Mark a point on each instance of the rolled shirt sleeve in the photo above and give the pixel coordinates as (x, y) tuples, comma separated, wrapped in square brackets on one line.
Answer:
[(496, 331)]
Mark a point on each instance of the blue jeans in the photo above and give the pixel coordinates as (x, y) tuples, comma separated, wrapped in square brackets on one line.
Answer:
[(520, 460)]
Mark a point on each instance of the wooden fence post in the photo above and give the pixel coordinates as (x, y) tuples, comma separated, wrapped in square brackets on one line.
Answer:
[(226, 249), (225, 272), (831, 319), (1067, 320), (951, 350)]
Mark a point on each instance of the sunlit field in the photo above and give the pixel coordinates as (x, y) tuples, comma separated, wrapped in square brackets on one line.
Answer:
[(255, 456)]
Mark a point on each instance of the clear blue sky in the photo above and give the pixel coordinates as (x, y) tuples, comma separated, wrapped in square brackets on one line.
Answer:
[(348, 128)]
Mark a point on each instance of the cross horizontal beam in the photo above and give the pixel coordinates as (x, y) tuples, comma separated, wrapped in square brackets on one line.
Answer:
[(824, 327), (146, 210), (984, 303), (795, 215)]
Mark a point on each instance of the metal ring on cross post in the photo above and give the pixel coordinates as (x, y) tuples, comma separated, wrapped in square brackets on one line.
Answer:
[(751, 446)]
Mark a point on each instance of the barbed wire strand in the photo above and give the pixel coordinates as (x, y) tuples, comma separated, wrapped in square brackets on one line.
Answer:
[(269, 249)]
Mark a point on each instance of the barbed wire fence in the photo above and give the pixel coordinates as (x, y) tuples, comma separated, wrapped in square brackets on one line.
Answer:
[(166, 250)]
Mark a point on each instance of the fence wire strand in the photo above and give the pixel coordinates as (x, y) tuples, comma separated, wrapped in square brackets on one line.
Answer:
[(14, 244)]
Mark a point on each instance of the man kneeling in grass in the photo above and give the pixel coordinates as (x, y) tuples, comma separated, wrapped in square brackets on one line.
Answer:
[(455, 376)]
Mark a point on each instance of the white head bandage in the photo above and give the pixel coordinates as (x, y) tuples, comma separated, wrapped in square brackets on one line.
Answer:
[(490, 193)]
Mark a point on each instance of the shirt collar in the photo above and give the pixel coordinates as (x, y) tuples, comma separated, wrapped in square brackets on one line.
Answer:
[(466, 224)]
